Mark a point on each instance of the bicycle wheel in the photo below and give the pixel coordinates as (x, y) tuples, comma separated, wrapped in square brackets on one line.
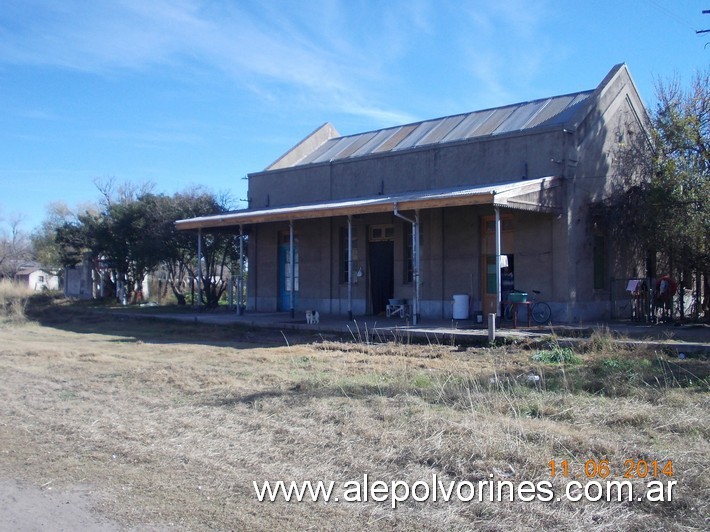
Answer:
[(541, 312), (508, 312)]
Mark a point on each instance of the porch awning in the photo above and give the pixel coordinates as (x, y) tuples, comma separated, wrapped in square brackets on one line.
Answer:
[(537, 195)]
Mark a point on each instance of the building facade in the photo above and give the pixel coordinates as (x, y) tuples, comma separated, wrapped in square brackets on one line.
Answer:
[(460, 205)]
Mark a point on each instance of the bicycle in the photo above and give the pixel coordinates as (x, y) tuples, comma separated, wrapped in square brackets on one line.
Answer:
[(539, 310), (691, 309)]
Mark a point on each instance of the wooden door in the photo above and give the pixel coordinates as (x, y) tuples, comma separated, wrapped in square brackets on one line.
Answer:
[(488, 256)]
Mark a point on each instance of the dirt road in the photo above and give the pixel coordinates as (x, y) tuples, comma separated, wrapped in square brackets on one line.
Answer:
[(26, 508)]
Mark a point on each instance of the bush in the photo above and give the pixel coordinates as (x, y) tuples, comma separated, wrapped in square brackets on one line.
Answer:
[(13, 299)]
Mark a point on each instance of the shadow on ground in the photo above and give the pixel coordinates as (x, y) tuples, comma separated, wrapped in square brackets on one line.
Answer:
[(83, 318)]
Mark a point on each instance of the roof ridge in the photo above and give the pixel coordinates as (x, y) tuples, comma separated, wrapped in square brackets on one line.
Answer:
[(466, 113)]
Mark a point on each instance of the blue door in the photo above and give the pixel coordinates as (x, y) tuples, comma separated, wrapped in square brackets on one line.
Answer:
[(286, 284)]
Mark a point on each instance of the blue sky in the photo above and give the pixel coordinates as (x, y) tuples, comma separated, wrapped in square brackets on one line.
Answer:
[(188, 92)]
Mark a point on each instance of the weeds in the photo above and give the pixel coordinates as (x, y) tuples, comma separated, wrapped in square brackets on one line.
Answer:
[(13, 300), (602, 340), (192, 409), (557, 355)]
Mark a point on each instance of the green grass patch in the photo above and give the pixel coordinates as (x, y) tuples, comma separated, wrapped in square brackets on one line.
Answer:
[(556, 355), (422, 380)]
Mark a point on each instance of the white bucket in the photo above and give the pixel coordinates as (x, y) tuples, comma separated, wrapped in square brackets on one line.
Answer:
[(460, 306)]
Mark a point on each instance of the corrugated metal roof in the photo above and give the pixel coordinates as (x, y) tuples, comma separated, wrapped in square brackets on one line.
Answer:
[(518, 117), (398, 135), (537, 194), (442, 128)]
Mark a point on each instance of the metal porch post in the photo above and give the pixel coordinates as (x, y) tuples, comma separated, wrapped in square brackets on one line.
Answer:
[(241, 303), (199, 268), (230, 294), (498, 254), (416, 273), (415, 260), (350, 267), (292, 255)]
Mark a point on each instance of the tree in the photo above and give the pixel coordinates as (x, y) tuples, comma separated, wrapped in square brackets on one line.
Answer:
[(220, 254), (47, 250), (681, 186), (121, 235), (667, 211), (15, 246), (76, 238), (134, 233)]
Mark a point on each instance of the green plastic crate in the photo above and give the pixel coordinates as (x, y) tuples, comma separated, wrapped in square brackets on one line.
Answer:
[(518, 297)]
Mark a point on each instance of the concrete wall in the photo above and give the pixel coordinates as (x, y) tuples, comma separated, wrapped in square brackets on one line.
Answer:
[(77, 281), (262, 282), (450, 260), (491, 160), (593, 175), (42, 280)]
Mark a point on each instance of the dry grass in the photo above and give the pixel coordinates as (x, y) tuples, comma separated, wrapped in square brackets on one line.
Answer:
[(171, 424), (13, 300)]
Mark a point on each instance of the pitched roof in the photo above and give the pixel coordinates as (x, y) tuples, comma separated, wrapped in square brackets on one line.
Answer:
[(553, 111), (28, 270)]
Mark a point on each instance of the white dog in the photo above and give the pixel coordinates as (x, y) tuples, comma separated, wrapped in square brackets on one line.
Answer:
[(312, 317)]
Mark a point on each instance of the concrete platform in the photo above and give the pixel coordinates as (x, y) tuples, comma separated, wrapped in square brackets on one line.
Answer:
[(688, 338)]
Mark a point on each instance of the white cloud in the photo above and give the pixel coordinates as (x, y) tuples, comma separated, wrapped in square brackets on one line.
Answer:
[(258, 44), (334, 55)]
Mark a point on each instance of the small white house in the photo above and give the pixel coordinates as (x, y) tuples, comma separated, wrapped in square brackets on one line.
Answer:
[(37, 278)]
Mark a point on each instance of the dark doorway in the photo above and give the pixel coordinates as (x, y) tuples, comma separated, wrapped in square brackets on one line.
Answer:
[(381, 274)]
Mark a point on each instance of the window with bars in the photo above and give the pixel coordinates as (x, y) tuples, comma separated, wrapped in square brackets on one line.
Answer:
[(379, 233)]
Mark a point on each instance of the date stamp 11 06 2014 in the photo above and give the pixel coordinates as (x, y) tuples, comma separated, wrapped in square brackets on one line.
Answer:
[(603, 469)]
